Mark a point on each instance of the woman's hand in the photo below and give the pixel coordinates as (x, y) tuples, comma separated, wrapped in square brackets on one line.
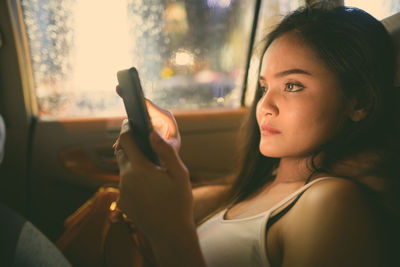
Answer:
[(157, 198), (163, 122)]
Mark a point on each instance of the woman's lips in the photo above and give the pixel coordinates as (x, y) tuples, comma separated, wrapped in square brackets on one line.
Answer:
[(267, 130)]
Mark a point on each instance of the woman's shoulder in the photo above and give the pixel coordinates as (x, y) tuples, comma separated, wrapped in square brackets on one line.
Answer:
[(332, 220), (332, 216), (336, 198), (334, 190)]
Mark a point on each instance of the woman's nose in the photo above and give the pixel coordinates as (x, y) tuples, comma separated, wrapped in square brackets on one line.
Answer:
[(268, 103)]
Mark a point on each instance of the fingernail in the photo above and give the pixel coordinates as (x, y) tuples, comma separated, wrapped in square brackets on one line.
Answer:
[(125, 126)]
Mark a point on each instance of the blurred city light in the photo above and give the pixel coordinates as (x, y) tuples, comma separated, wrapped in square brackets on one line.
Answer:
[(102, 44), (219, 3), (175, 11), (183, 57), (206, 76)]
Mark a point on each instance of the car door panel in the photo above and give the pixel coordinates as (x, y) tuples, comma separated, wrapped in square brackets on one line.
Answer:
[(72, 158)]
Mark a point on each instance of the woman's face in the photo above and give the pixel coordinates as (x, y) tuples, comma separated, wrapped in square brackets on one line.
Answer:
[(302, 106)]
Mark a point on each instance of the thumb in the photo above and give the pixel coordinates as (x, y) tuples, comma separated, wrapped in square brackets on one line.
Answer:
[(167, 155)]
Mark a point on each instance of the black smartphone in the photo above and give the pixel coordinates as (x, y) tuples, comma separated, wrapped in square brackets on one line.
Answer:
[(135, 106)]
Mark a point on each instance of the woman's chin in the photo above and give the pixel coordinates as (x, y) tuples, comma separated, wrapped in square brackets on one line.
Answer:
[(270, 153)]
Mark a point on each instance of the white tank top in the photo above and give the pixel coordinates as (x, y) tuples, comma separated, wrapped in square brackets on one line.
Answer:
[(239, 242)]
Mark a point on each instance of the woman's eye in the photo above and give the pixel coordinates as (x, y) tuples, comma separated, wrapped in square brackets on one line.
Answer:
[(263, 89), (293, 87)]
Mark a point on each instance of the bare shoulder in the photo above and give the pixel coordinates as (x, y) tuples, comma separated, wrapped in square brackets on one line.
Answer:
[(331, 225), (338, 194), (338, 201)]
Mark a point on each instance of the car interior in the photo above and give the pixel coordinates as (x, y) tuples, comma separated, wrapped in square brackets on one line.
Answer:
[(58, 148)]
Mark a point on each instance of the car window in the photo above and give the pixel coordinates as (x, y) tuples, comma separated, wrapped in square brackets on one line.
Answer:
[(271, 12), (190, 54), (380, 9)]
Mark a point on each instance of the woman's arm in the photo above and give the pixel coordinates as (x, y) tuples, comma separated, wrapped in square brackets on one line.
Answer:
[(206, 199), (159, 200), (331, 225)]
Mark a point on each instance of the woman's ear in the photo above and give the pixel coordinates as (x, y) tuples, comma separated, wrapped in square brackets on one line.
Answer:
[(358, 114), (356, 111)]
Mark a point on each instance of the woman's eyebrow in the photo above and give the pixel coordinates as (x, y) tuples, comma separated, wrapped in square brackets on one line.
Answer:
[(287, 72), (292, 71)]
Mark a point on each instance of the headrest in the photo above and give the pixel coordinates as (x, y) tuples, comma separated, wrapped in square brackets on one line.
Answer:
[(392, 24)]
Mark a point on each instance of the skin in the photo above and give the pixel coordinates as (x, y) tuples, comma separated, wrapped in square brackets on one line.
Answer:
[(170, 195), (301, 100), (306, 108)]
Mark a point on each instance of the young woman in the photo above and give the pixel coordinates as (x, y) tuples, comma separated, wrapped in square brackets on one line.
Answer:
[(318, 165)]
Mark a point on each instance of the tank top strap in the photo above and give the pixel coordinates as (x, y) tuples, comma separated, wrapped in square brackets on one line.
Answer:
[(296, 193)]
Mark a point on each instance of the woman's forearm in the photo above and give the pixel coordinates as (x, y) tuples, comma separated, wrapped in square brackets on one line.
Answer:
[(207, 198), (182, 248)]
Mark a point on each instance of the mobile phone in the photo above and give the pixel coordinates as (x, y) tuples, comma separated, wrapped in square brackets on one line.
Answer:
[(135, 106)]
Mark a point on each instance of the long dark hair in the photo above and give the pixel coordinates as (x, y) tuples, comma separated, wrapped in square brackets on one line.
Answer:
[(358, 50)]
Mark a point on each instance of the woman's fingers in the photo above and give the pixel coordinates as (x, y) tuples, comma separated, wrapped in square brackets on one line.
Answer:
[(122, 159), (127, 144), (148, 193), (165, 150), (151, 107), (167, 155), (118, 90), (163, 121)]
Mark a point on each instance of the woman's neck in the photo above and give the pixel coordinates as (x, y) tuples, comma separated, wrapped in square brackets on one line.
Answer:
[(292, 170)]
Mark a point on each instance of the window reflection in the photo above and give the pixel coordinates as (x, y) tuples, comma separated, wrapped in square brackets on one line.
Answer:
[(190, 54)]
